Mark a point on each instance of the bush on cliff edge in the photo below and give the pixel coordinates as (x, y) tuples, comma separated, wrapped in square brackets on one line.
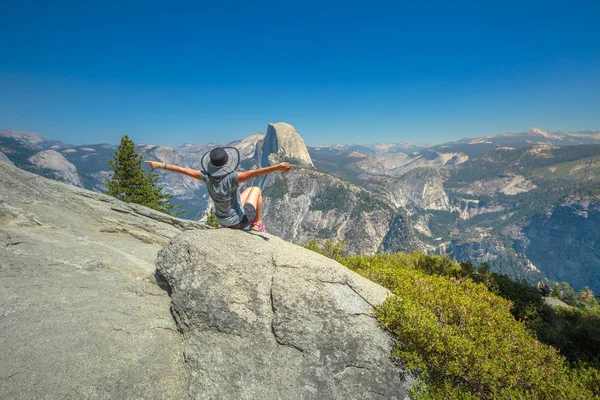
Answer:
[(462, 338)]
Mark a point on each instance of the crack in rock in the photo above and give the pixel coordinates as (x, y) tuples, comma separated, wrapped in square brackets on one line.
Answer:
[(351, 288), (361, 296), (274, 312), (365, 314), (349, 366)]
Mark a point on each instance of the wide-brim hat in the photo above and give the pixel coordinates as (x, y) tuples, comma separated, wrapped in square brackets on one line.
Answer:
[(232, 163)]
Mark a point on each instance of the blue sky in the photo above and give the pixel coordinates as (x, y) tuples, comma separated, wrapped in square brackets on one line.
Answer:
[(351, 71)]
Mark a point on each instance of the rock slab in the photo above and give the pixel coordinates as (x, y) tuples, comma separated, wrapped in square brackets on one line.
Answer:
[(81, 313), (265, 319)]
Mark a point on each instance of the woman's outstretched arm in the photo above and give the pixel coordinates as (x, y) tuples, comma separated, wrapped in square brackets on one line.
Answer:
[(174, 168), (247, 175)]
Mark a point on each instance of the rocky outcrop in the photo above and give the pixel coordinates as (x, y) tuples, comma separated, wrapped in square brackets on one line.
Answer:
[(81, 312), (61, 169), (283, 143), (5, 159), (420, 187), (262, 318), (510, 185), (424, 188), (555, 303), (84, 314)]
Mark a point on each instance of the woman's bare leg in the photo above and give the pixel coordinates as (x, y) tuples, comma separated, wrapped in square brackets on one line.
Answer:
[(244, 195), (254, 197)]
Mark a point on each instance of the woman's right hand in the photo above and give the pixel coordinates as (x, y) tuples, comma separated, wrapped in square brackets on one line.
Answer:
[(284, 166), (154, 164)]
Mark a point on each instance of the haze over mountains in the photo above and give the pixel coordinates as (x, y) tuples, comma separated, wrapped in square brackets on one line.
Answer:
[(526, 203)]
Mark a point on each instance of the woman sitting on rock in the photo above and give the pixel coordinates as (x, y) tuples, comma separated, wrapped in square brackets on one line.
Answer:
[(219, 172)]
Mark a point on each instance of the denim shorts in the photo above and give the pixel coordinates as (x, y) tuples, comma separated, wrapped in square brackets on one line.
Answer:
[(249, 217)]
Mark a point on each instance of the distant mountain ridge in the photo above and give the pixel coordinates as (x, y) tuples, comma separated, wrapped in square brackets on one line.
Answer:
[(534, 136)]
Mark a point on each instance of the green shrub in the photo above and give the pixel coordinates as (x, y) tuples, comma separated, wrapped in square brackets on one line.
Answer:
[(211, 219), (575, 332), (329, 249), (462, 338)]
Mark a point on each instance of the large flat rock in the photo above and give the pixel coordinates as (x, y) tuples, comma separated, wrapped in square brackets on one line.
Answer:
[(266, 319), (81, 313)]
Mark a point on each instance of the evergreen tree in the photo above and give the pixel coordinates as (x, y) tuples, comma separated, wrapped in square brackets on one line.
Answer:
[(130, 183)]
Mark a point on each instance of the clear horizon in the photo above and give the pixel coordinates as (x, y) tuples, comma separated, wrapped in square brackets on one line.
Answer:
[(338, 72), (307, 144)]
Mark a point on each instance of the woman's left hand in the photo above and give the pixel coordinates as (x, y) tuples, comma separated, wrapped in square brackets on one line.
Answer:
[(284, 166)]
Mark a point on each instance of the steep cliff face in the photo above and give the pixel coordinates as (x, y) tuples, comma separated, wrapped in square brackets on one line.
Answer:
[(62, 169), (282, 142), (420, 187), (304, 204), (469, 208), (424, 188), (564, 242), (258, 151)]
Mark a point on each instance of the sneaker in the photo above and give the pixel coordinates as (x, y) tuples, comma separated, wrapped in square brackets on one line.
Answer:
[(257, 226)]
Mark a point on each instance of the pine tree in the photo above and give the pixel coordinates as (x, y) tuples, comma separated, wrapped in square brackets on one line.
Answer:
[(130, 183)]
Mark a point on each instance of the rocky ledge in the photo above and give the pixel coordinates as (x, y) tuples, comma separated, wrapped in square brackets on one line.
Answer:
[(265, 319), (82, 315)]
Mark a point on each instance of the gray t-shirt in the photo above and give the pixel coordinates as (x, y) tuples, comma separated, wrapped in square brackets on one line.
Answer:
[(226, 198)]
